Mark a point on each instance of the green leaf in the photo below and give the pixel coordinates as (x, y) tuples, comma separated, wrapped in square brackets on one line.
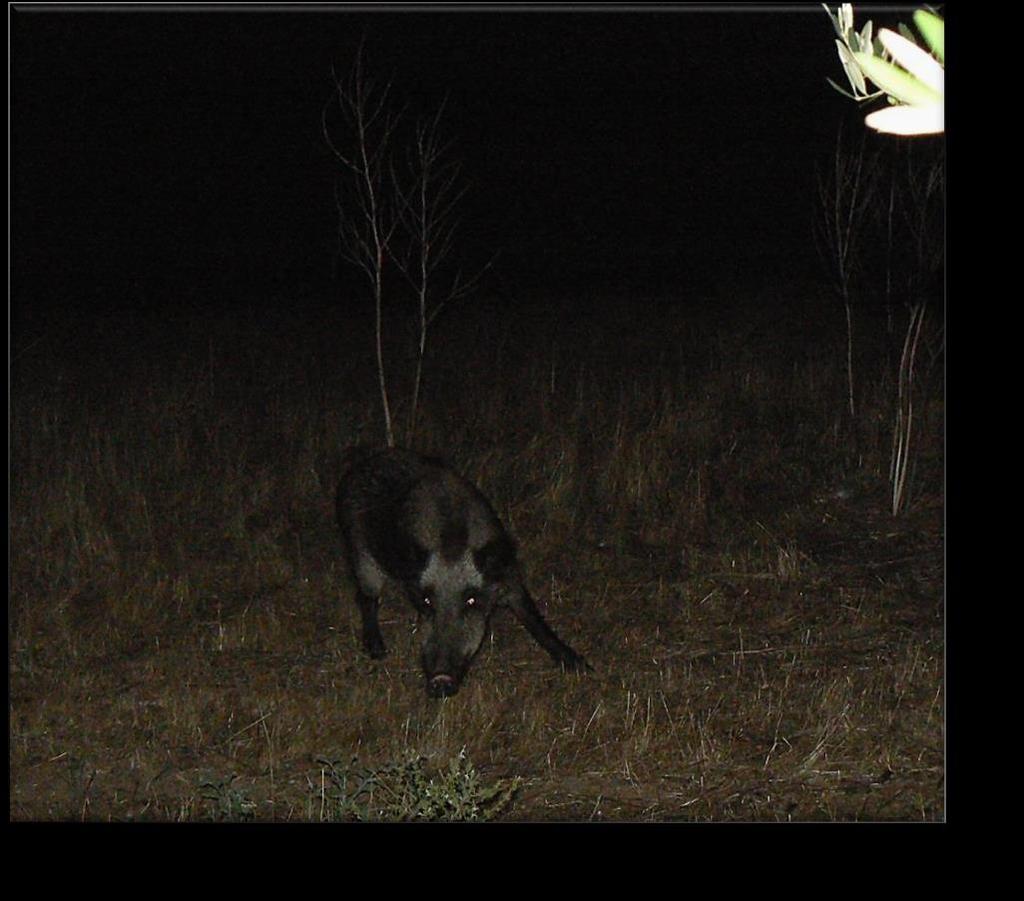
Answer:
[(895, 82), (934, 31), (853, 72), (842, 91), (907, 120), (834, 19), (915, 61), (865, 36), (844, 15)]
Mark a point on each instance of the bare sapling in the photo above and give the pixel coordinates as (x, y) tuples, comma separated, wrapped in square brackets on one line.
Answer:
[(903, 427), (845, 193), (367, 205), (429, 214), (395, 215), (921, 203)]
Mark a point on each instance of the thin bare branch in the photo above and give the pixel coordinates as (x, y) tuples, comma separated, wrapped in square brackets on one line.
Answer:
[(367, 219)]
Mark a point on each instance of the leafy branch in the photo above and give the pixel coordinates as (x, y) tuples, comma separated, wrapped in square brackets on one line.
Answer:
[(912, 79)]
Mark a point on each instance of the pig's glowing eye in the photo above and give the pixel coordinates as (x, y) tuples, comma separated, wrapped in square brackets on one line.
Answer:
[(426, 601), (470, 602)]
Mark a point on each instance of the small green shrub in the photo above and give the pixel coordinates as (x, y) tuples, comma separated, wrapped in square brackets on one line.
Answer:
[(403, 792), (226, 803)]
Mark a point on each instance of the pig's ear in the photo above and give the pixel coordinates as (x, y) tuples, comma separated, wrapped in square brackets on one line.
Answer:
[(496, 558)]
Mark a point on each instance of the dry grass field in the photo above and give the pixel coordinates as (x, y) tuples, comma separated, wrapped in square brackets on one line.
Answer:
[(695, 515)]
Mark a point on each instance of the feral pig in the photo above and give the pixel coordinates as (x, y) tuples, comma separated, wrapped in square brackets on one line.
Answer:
[(412, 522)]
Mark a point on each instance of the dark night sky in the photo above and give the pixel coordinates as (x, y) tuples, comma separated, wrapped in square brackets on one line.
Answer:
[(176, 153)]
